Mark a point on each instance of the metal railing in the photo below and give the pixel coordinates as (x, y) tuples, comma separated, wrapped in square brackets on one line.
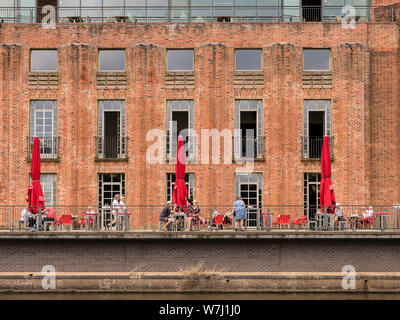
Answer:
[(111, 147), (259, 218), (312, 147), (183, 14), (49, 147)]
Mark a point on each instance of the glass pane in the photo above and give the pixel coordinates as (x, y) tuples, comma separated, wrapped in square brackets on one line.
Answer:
[(200, 3), (316, 59), (248, 59), (44, 60), (157, 3), (91, 3), (180, 60), (112, 60), (69, 3), (291, 11), (113, 3), (179, 2)]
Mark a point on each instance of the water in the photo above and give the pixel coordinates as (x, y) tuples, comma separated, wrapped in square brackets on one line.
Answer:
[(200, 296)]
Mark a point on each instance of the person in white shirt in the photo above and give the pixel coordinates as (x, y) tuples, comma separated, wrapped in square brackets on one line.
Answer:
[(115, 210)]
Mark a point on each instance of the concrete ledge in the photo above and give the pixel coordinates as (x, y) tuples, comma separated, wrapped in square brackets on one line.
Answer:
[(145, 235), (202, 282)]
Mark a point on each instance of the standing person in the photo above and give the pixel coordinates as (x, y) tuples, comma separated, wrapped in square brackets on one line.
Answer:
[(165, 215), (115, 210), (239, 208)]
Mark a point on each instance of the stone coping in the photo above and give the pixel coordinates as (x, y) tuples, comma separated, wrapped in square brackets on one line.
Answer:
[(199, 235), (201, 274)]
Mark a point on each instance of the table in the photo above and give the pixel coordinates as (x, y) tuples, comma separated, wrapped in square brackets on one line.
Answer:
[(75, 19), (269, 220), (89, 217), (176, 217), (121, 219), (122, 18), (383, 218), (353, 221)]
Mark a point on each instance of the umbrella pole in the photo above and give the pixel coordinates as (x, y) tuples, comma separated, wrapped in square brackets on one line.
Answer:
[(39, 220)]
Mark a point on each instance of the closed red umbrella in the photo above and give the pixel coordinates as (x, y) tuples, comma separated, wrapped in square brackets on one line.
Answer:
[(180, 191), (327, 194), (35, 194)]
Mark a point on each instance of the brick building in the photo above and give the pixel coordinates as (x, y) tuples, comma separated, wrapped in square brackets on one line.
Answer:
[(93, 90)]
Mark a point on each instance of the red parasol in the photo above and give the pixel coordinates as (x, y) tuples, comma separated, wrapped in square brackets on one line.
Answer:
[(327, 195), (180, 191), (35, 194)]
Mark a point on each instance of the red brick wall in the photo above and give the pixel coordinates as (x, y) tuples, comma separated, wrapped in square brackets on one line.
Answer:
[(364, 106)]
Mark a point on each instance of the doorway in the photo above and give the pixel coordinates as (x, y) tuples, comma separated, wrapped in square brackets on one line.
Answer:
[(311, 10), (248, 193), (111, 134), (181, 119), (316, 132), (248, 128), (312, 183)]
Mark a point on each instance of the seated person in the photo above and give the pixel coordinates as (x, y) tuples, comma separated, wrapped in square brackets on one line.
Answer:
[(194, 215), (367, 215), (228, 216), (49, 214), (165, 215), (214, 218), (339, 216), (26, 217)]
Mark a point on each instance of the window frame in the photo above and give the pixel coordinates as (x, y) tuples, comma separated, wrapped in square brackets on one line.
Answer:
[(316, 70), (179, 49), (42, 49), (110, 49), (249, 49)]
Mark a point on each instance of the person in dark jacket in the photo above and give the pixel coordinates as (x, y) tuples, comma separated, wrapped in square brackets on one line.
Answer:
[(165, 215)]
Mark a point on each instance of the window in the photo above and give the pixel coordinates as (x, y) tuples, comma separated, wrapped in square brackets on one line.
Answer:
[(111, 142), (109, 185), (44, 60), (180, 60), (316, 124), (189, 181), (249, 143), (247, 60), (43, 124), (112, 60), (48, 181), (316, 59), (180, 123)]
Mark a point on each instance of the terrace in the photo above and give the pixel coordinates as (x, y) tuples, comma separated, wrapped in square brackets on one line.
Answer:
[(195, 11), (261, 219)]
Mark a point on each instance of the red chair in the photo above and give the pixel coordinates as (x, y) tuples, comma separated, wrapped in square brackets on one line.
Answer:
[(219, 221), (282, 220), (65, 220), (302, 221), (367, 222)]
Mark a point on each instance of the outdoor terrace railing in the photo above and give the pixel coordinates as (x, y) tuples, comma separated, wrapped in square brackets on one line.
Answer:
[(259, 218), (49, 147), (151, 14)]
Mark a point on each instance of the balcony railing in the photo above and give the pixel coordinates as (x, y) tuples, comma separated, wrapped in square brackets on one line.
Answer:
[(183, 14), (248, 147), (312, 147), (49, 147), (111, 147), (262, 217)]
